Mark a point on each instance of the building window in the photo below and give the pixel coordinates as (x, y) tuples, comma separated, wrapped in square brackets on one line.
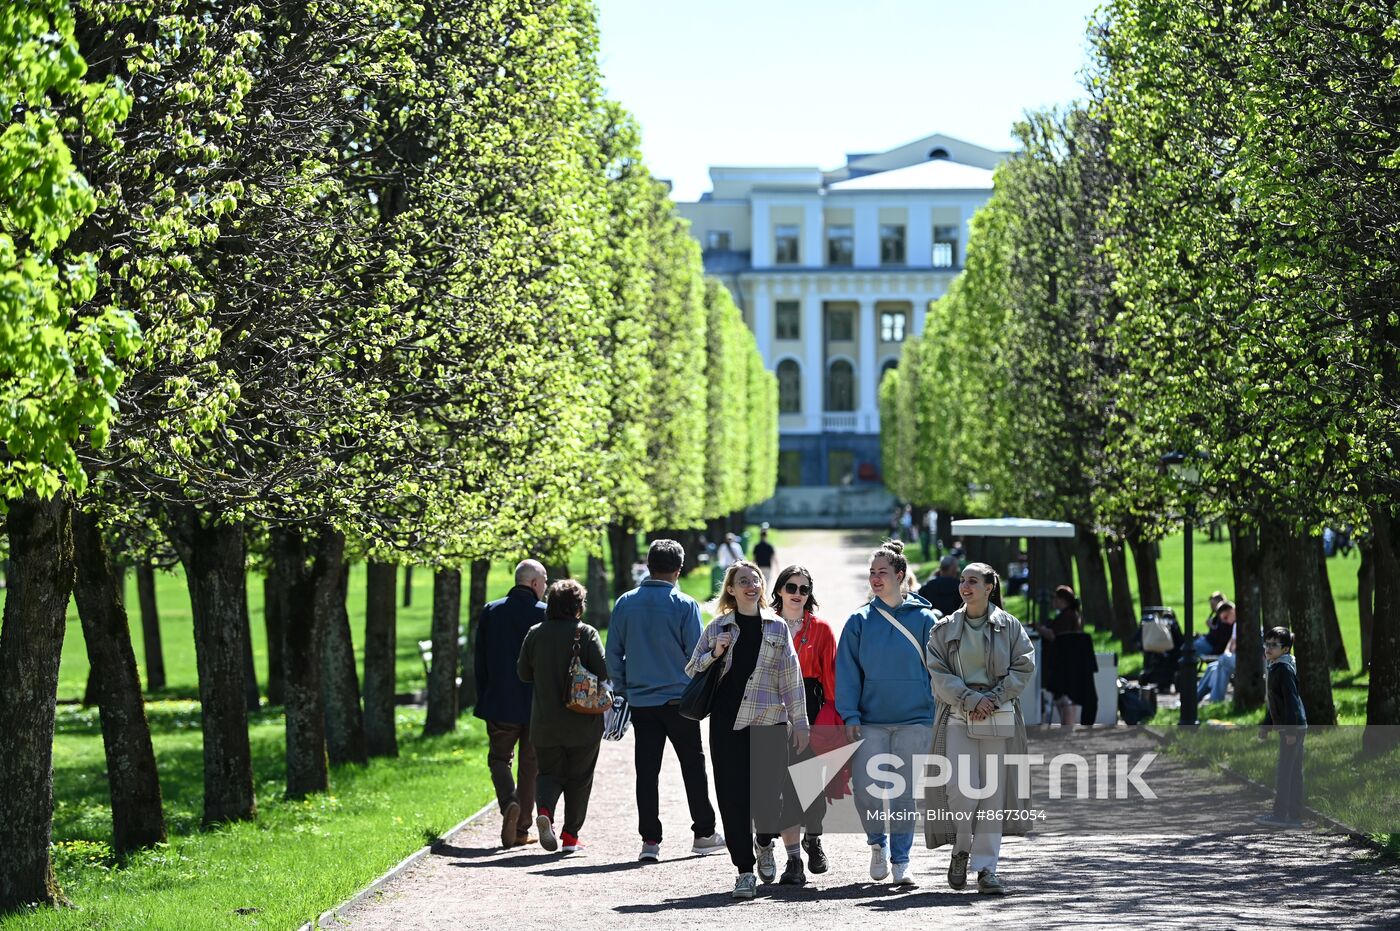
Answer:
[(840, 467), (945, 247), (717, 240), (840, 326), (889, 366), (789, 468), (840, 387), (789, 319), (785, 244), (840, 246), (789, 387), (938, 153), (892, 326), (892, 244)]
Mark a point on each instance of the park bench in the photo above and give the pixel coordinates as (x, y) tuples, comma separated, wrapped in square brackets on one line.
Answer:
[(425, 651)]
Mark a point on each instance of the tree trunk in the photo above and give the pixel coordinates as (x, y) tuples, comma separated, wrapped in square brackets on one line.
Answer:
[(301, 660), (598, 613), (1304, 594), (1383, 697), (1336, 646), (91, 696), (1273, 576), (40, 579), (476, 600), (275, 597), (1365, 598), (137, 820), (381, 655), (1124, 617), (150, 626), (622, 543), (1249, 645), (340, 681), (250, 670), (215, 571), (1093, 581), (1145, 565), (442, 674), (408, 586)]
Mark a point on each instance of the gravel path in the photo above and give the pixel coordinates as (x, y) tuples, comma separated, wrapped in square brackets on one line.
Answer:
[(1110, 881)]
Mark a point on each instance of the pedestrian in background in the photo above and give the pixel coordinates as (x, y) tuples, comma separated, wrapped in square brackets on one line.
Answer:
[(503, 701), (1285, 714), (651, 634), (566, 741)]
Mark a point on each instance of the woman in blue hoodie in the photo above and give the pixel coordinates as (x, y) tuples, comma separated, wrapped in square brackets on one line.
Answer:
[(884, 696)]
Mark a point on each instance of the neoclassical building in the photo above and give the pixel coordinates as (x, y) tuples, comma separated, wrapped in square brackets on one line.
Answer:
[(834, 271)]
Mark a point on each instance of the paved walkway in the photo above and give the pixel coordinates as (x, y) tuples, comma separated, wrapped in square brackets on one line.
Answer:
[(1214, 878)]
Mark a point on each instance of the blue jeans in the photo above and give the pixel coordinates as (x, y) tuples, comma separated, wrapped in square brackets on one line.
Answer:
[(1217, 678), (904, 741)]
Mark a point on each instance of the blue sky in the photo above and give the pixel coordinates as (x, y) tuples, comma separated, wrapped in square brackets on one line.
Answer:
[(805, 81)]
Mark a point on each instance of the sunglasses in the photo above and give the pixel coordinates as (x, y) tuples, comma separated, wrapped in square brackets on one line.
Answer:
[(792, 588)]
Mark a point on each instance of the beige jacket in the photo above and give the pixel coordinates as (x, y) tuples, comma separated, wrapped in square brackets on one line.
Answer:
[(1010, 665)]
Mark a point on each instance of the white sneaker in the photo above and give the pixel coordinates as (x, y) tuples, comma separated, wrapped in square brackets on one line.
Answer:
[(650, 853), (879, 861), (704, 846), (546, 828), (904, 875), (767, 863), (745, 887)]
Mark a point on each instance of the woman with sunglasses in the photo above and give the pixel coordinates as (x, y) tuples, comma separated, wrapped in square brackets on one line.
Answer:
[(815, 644), (980, 659), (760, 686)]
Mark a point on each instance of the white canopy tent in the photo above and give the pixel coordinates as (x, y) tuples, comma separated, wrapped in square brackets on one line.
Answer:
[(1011, 527)]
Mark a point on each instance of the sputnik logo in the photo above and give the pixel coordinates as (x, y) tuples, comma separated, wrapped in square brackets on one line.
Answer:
[(810, 777)]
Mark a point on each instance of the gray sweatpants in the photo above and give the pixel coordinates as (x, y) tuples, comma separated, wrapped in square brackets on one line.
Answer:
[(968, 756)]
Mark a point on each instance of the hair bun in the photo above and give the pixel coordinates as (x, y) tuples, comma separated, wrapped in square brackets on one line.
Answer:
[(894, 546)]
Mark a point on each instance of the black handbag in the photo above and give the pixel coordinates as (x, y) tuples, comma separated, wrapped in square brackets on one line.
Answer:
[(699, 695)]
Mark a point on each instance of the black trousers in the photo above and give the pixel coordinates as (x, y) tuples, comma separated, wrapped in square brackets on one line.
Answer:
[(1288, 779), (792, 814), (748, 786), (567, 771), (652, 727)]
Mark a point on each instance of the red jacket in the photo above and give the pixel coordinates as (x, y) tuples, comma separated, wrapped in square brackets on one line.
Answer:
[(816, 653)]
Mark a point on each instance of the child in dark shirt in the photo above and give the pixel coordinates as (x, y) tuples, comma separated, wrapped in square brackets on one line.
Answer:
[(1285, 714)]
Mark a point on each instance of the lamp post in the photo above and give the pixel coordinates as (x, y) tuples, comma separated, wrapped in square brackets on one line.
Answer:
[(1184, 470)]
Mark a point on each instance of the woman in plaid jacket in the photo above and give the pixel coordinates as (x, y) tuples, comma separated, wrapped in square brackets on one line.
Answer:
[(760, 685)]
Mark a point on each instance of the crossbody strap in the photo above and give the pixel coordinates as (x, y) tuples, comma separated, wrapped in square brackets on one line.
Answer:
[(903, 630)]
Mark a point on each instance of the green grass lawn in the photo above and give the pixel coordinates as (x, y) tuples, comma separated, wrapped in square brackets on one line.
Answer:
[(296, 860)]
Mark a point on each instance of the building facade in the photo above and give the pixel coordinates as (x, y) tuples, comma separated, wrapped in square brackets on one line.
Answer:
[(834, 272)]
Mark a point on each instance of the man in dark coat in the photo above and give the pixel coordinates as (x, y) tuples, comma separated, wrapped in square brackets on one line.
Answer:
[(503, 701), (941, 591)]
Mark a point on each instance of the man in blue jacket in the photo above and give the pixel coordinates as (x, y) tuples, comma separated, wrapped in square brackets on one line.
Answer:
[(503, 701), (654, 629)]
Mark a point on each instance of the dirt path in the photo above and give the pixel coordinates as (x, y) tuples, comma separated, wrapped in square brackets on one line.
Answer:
[(1150, 879)]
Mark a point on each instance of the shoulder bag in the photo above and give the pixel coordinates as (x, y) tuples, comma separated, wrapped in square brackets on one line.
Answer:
[(587, 695), (699, 694)]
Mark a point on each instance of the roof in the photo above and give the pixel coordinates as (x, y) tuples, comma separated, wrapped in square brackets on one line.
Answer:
[(934, 175), (1011, 527)]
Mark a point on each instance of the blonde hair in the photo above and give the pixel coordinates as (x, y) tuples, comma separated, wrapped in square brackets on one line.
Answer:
[(725, 603)]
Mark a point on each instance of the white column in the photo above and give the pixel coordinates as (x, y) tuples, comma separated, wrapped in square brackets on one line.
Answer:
[(867, 401), (920, 302), (965, 226), (813, 235), (813, 366), (867, 233), (763, 322), (761, 236), (919, 244)]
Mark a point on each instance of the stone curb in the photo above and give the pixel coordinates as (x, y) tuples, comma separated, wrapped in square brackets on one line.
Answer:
[(334, 914), (1332, 823)]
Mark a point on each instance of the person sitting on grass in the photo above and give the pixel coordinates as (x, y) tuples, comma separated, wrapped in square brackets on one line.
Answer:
[(1284, 713)]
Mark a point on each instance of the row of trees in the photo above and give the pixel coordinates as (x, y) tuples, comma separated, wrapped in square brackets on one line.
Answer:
[(287, 286), (1201, 258)]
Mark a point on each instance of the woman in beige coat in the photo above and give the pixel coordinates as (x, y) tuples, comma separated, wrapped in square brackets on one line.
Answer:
[(979, 659)]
